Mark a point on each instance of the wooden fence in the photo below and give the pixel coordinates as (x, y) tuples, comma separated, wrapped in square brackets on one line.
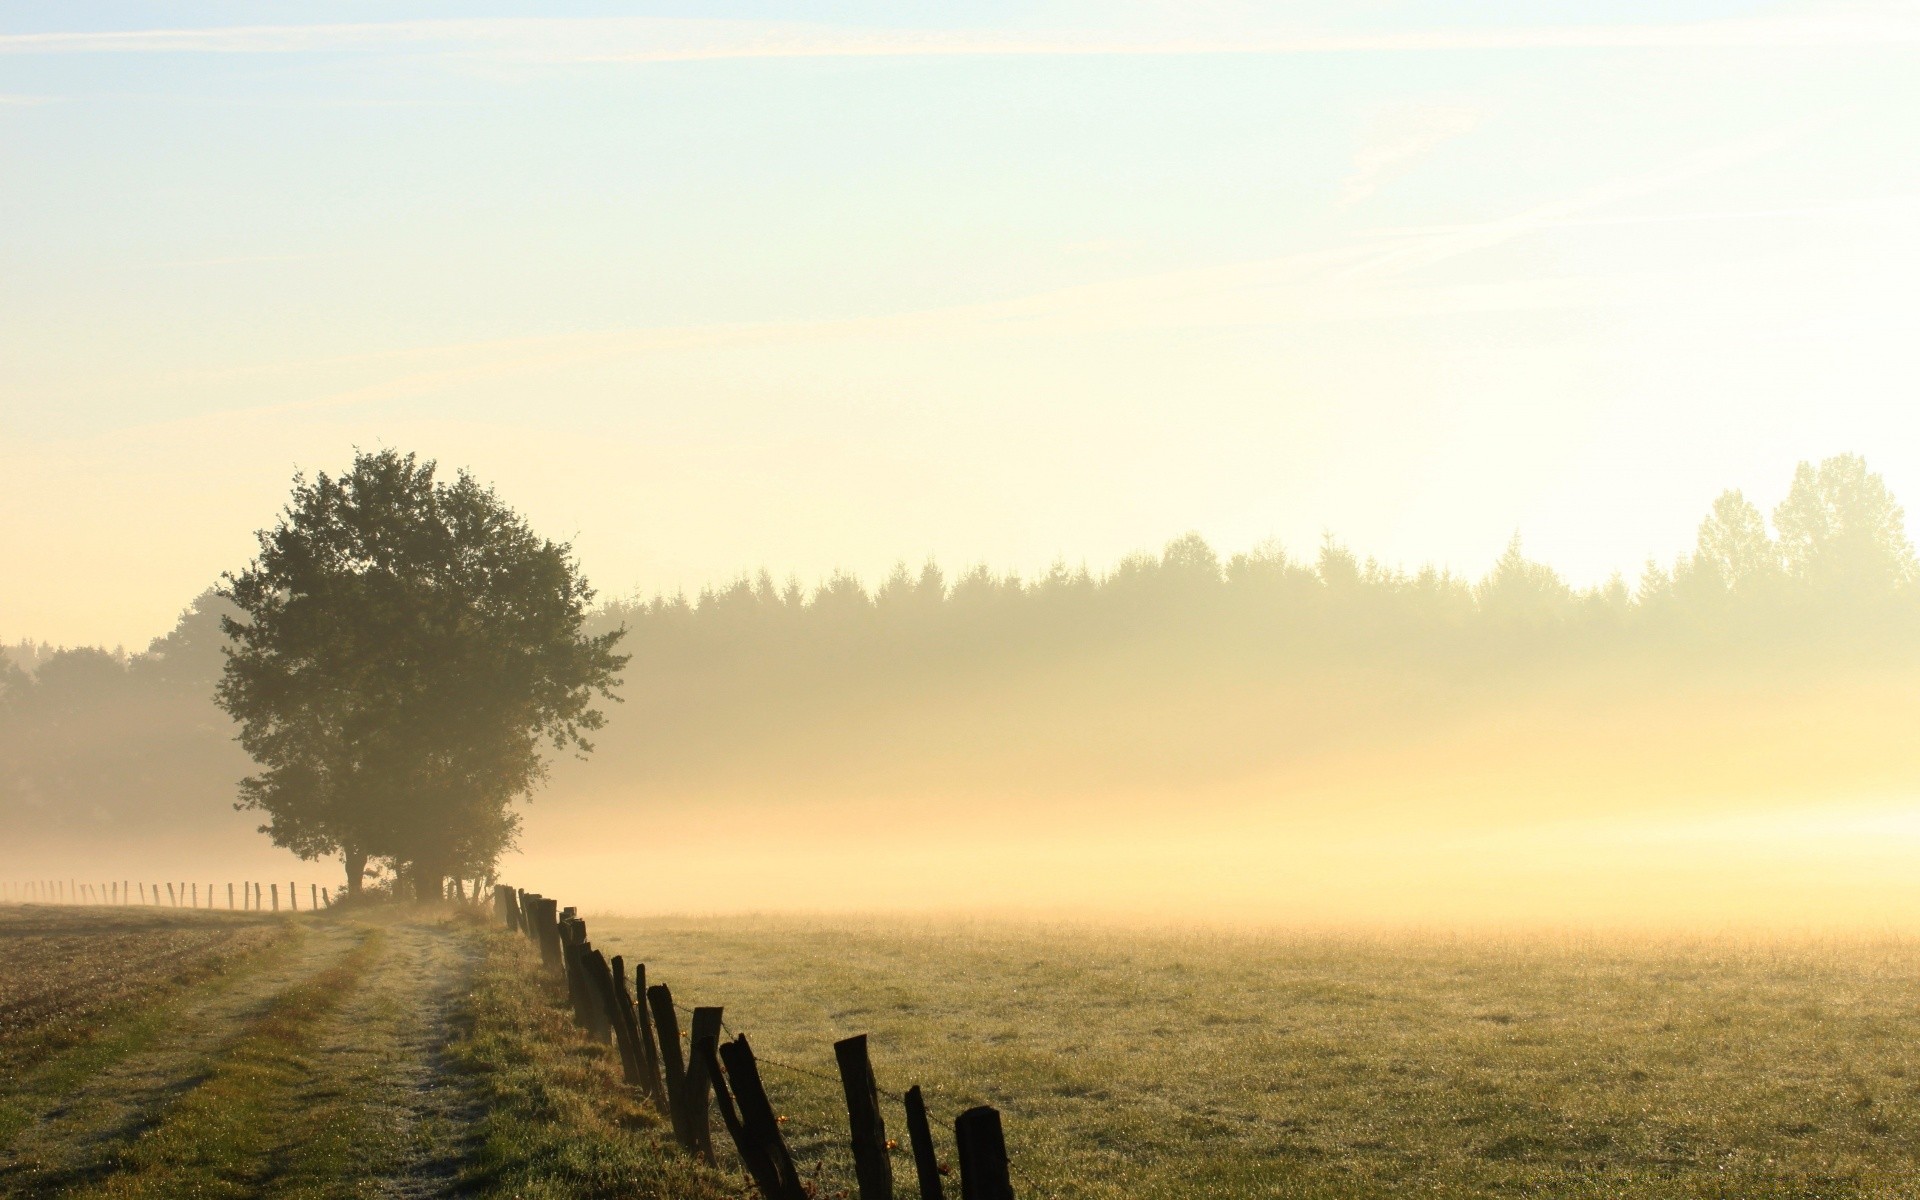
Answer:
[(248, 897), (642, 1026)]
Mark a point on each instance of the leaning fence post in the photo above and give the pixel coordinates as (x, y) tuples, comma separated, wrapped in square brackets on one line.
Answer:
[(623, 1030), (660, 1000), (872, 1169), (926, 1164), (706, 1024), (757, 1119), (753, 1156), (649, 1052), (982, 1150)]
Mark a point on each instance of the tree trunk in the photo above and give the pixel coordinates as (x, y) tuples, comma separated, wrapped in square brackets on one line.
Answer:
[(356, 870)]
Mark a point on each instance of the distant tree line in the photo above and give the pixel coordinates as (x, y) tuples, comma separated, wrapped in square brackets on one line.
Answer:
[(1836, 569), (1070, 672)]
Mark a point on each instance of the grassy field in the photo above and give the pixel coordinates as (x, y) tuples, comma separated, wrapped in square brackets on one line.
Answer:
[(418, 1053), (376, 1052), (1239, 1065)]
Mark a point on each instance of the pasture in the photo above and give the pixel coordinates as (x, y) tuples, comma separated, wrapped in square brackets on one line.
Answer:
[(394, 1051), (1238, 1065)]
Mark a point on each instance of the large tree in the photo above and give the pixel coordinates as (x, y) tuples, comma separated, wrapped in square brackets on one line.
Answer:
[(406, 652)]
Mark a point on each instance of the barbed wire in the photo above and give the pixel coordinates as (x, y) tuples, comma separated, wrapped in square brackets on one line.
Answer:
[(808, 1127)]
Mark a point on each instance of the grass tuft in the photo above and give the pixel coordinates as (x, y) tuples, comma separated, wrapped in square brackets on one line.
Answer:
[(560, 1124)]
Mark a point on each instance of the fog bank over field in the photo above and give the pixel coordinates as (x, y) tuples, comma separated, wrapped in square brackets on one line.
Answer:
[(1263, 736)]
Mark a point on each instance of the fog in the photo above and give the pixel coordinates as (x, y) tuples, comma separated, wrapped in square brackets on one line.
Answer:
[(1265, 736)]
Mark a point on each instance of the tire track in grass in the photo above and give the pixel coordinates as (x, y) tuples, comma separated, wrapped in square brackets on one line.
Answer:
[(227, 1132), (386, 1056)]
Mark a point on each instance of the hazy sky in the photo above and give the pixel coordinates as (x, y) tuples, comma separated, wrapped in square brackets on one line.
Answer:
[(805, 285)]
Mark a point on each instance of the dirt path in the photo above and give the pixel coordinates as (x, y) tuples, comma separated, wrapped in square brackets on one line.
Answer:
[(368, 1069), (388, 1045)]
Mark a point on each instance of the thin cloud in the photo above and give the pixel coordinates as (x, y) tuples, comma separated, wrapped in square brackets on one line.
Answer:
[(1377, 273), (1400, 140), (643, 39)]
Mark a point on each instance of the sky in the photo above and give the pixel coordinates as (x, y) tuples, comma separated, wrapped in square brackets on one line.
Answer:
[(810, 286)]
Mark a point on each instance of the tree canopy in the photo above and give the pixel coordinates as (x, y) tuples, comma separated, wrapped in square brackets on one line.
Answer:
[(405, 653)]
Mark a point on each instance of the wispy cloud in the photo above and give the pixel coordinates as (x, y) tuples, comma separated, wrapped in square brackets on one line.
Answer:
[(615, 40), (1377, 273), (1402, 138), (238, 260)]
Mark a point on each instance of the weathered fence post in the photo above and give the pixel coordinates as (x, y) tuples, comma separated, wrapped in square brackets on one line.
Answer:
[(982, 1151), (758, 1122), (872, 1169), (926, 1164), (550, 952), (170, 898), (752, 1156), (673, 1066), (623, 1031), (649, 1052), (276, 896), (564, 928), (706, 1024), (599, 980)]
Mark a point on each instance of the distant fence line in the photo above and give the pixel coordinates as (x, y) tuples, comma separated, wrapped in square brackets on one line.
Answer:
[(642, 1024), (241, 897)]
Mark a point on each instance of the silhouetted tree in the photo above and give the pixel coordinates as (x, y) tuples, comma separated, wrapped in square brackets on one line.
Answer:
[(1841, 533), (405, 651), (1521, 591), (1734, 552)]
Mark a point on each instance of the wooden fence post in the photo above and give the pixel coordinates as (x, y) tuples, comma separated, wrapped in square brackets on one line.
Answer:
[(926, 1164), (170, 898), (623, 1024), (706, 1024), (757, 1120), (571, 937), (872, 1169), (550, 934), (752, 1155), (276, 896), (649, 1052), (599, 979), (982, 1146), (673, 1066)]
